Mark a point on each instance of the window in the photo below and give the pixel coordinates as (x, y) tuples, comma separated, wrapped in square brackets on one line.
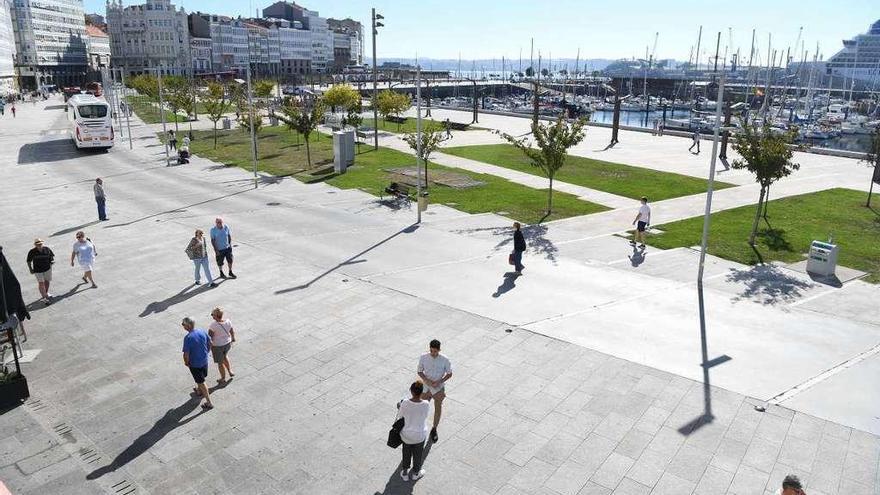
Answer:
[(92, 111)]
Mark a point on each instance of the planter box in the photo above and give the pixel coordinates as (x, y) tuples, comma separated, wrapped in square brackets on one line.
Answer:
[(13, 393)]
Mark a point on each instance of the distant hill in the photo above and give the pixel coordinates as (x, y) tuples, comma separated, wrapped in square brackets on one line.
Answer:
[(495, 65)]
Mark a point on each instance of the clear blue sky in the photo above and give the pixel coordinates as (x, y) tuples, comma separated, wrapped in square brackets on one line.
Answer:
[(492, 28)]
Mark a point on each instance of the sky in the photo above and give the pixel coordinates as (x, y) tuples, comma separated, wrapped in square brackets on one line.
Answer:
[(485, 29)]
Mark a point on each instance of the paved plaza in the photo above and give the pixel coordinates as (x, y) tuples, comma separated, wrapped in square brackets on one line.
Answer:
[(583, 376)]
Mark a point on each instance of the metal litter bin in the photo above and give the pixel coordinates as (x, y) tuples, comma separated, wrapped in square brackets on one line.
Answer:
[(226, 124), (822, 259)]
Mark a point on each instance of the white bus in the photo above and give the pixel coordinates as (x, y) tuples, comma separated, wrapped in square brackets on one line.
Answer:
[(91, 123)]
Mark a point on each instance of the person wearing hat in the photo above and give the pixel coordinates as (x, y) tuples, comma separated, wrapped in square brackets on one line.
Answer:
[(39, 261), (101, 199)]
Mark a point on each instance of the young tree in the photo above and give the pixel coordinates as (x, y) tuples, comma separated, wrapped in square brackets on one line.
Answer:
[(552, 141), (302, 118), (872, 158), (216, 105), (178, 95), (263, 89), (402, 102), (432, 136), (342, 96), (768, 156), (392, 103)]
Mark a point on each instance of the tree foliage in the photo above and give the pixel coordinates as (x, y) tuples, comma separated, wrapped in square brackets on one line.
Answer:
[(552, 142), (342, 96), (392, 103), (216, 105), (302, 116), (145, 84), (767, 155), (872, 158), (177, 93), (431, 139)]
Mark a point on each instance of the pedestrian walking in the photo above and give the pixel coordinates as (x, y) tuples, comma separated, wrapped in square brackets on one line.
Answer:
[(2, 108), (39, 261), (519, 246), (791, 485), (448, 126), (696, 138), (221, 240), (172, 140), (414, 411), (84, 252), (197, 250), (642, 220), (101, 199), (13, 110), (660, 127), (222, 336), (196, 344), (435, 370), (656, 127)]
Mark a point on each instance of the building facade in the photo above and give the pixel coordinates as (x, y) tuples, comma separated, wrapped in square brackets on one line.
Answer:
[(98, 48), (149, 37), (7, 50), (859, 60), (200, 49), (348, 41), (51, 42), (230, 47)]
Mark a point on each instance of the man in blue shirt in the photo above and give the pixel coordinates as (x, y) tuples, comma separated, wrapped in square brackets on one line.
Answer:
[(196, 347), (221, 239)]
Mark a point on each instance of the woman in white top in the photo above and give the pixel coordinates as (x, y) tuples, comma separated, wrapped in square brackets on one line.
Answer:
[(222, 336), (414, 412), (84, 252)]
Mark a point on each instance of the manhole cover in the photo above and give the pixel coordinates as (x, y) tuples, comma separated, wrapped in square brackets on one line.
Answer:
[(273, 204)]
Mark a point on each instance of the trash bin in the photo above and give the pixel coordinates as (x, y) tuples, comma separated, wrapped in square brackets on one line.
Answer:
[(343, 150), (822, 259), (423, 202), (226, 124)]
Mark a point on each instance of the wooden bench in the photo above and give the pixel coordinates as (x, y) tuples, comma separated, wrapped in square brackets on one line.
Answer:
[(399, 190)]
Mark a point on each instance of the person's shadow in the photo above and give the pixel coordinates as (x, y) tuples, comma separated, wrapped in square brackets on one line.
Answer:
[(37, 305), (637, 257), (183, 295), (172, 419), (396, 485), (507, 285)]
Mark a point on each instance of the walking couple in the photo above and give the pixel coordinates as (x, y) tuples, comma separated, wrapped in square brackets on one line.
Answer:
[(197, 251)]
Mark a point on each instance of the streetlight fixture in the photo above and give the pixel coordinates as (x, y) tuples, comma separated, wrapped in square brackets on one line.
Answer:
[(376, 17)]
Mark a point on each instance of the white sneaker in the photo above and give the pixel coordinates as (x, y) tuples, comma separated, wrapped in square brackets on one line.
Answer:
[(417, 476), (404, 475)]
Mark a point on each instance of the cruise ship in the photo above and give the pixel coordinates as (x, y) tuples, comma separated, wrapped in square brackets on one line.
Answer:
[(860, 57)]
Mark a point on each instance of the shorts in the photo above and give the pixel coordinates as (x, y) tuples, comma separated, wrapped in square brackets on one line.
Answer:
[(199, 374), (220, 352), (44, 276), (434, 391), (641, 226), (86, 267), (224, 254)]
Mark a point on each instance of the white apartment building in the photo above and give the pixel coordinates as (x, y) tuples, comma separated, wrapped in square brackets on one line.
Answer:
[(230, 46), (7, 49), (51, 40), (322, 41), (149, 37), (200, 50), (98, 48)]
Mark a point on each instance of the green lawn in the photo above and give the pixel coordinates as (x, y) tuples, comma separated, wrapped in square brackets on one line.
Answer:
[(281, 152), (149, 112), (796, 221), (615, 178), (409, 126)]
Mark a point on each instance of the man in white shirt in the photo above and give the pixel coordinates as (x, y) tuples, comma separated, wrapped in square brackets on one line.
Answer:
[(642, 220), (434, 370), (696, 138)]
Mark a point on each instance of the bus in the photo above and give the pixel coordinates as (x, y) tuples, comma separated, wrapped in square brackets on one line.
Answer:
[(90, 123)]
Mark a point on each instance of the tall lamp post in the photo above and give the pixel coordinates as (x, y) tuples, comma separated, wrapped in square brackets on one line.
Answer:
[(376, 25)]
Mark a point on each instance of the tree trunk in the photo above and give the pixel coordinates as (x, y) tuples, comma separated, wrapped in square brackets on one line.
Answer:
[(175, 121), (871, 187), (215, 134), (766, 201), (757, 217), (308, 151), (550, 197)]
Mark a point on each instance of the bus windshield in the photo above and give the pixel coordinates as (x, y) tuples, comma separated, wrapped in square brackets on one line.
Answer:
[(92, 111)]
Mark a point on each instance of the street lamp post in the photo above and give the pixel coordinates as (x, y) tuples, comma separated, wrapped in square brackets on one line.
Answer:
[(419, 144), (162, 116), (376, 25)]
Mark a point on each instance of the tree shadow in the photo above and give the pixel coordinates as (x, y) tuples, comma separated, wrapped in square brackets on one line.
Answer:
[(534, 235), (395, 484), (768, 285), (507, 285), (183, 295), (350, 261), (173, 418)]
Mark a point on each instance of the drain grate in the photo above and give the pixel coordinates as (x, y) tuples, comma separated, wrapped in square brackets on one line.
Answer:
[(36, 404), (124, 488), (89, 456), (62, 428)]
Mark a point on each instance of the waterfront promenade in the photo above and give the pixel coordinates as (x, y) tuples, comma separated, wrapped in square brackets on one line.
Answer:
[(581, 377)]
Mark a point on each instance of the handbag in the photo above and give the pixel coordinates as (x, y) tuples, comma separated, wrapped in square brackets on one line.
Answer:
[(510, 260), (394, 439)]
